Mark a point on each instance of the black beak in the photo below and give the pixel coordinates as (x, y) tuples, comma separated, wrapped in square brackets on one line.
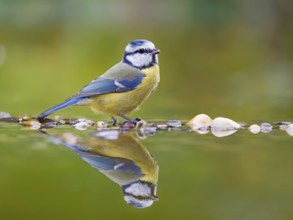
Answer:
[(156, 51)]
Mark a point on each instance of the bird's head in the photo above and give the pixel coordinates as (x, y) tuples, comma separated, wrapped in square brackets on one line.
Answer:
[(140, 194), (141, 54)]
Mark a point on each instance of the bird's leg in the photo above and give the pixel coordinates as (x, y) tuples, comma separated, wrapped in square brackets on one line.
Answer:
[(115, 121), (129, 119)]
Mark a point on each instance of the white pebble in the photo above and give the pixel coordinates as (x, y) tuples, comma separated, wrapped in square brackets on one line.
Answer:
[(89, 122), (221, 123), (81, 126), (102, 124), (254, 128), (35, 125), (145, 132), (200, 123), (221, 127), (289, 129), (266, 127)]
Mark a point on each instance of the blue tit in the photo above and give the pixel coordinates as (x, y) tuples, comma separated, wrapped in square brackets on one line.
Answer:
[(123, 159), (122, 88)]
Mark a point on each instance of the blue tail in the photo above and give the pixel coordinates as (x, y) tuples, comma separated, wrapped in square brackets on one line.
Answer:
[(67, 103)]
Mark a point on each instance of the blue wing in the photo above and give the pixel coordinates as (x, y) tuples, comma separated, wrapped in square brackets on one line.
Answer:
[(98, 86), (104, 85), (127, 169), (103, 163), (120, 78)]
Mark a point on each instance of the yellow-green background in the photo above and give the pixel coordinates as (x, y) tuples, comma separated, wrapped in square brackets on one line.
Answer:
[(222, 58), (231, 58)]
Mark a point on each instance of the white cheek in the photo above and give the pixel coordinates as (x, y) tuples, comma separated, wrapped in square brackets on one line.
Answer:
[(138, 189), (140, 59)]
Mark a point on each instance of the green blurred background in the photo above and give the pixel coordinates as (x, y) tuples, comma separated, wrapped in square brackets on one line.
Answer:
[(229, 58), (223, 58)]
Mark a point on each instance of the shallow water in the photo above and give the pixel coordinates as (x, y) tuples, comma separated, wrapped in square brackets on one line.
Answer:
[(242, 176)]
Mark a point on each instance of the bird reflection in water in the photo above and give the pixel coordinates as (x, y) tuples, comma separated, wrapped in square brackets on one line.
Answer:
[(122, 158)]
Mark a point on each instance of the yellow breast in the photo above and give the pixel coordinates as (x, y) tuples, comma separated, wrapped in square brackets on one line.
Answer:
[(127, 147), (126, 102)]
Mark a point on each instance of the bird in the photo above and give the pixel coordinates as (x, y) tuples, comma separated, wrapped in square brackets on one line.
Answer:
[(122, 158), (122, 88)]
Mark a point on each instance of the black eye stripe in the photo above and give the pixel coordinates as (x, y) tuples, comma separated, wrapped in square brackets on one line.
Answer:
[(143, 50), (140, 51)]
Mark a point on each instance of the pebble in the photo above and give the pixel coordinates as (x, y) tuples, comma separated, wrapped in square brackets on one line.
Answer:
[(162, 126), (89, 122), (32, 124), (102, 124), (221, 127), (81, 125), (145, 132), (266, 127), (200, 123), (221, 123), (174, 123), (4, 115), (289, 129), (255, 129), (35, 125)]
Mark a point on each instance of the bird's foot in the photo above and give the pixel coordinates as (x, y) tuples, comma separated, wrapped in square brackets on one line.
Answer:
[(127, 125), (130, 123), (115, 121)]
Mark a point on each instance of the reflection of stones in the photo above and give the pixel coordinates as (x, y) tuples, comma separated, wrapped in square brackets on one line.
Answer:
[(201, 123), (69, 138), (107, 134), (123, 159)]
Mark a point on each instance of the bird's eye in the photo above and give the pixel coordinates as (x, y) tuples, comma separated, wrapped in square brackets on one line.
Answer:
[(141, 50)]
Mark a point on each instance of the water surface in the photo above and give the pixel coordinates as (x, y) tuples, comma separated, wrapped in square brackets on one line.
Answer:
[(242, 176)]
